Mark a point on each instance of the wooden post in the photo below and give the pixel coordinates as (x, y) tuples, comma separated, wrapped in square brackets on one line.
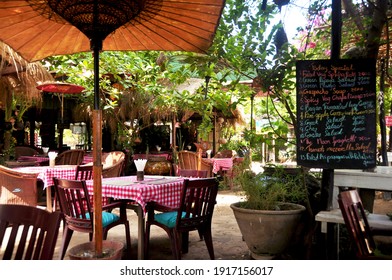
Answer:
[(96, 46), (97, 179)]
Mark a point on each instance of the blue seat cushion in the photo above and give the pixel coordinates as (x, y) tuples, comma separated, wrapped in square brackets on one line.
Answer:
[(168, 218), (107, 218)]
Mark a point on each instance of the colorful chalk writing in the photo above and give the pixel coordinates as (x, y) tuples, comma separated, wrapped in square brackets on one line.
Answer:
[(336, 112)]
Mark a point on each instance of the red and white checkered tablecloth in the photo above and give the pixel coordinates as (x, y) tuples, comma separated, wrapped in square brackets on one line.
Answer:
[(163, 190), (225, 163), (46, 173), (87, 159)]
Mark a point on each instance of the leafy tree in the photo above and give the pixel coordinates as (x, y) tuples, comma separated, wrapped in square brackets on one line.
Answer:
[(248, 45)]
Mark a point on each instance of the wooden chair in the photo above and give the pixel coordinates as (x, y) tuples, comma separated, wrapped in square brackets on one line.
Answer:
[(357, 224), (192, 173), (113, 164), (70, 157), (84, 172), (25, 151), (18, 187), (198, 199), (189, 160), (27, 232), (74, 201)]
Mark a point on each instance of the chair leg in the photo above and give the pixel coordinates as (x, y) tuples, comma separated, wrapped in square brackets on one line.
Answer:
[(67, 235), (147, 240), (208, 240), (128, 239), (200, 235), (175, 238), (185, 241)]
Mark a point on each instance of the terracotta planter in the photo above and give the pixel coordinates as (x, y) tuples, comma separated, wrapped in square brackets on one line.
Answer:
[(268, 233), (112, 250)]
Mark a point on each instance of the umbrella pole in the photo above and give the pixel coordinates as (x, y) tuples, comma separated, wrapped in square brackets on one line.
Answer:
[(97, 153), (61, 128)]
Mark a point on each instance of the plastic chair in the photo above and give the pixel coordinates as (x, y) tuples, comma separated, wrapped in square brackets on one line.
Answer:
[(357, 225), (74, 201), (70, 157), (18, 187), (29, 233), (198, 199)]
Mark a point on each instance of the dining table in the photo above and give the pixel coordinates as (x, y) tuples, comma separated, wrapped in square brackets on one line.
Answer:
[(219, 164), (44, 159), (47, 173), (165, 190)]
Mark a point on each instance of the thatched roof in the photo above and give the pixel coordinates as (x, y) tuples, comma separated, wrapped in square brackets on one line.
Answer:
[(19, 77)]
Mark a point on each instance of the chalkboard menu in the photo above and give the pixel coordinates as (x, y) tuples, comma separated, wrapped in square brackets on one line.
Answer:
[(336, 113)]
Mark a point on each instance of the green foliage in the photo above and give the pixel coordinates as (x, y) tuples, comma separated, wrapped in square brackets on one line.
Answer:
[(255, 49), (233, 145), (266, 191)]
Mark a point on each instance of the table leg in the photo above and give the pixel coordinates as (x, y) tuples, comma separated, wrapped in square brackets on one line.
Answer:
[(140, 229), (49, 199)]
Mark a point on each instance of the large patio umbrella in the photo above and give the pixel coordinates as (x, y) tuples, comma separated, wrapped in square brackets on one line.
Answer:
[(61, 89), (40, 28)]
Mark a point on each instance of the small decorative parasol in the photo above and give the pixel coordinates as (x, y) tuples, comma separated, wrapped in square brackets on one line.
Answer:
[(62, 89)]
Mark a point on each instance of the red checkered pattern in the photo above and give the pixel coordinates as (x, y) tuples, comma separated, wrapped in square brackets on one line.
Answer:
[(225, 163), (87, 159), (46, 173), (167, 194)]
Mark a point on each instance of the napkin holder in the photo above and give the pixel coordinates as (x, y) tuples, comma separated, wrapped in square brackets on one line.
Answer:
[(52, 158), (139, 175), (140, 165), (45, 150)]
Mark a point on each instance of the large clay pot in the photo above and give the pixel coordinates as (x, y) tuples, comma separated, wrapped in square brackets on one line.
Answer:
[(158, 166), (268, 233), (112, 250)]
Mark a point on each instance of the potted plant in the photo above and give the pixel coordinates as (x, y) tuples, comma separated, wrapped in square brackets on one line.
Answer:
[(269, 216)]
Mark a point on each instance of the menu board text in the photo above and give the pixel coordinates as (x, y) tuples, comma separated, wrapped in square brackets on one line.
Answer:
[(336, 113)]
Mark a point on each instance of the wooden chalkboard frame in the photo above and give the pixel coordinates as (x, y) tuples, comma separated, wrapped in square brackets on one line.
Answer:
[(336, 113)]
